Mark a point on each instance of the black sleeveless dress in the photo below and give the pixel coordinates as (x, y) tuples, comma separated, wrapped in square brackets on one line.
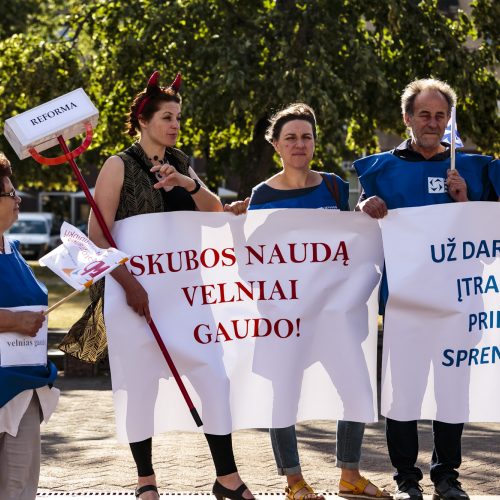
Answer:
[(86, 339)]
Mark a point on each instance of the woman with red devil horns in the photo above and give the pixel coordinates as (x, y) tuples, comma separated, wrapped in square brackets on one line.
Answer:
[(152, 176)]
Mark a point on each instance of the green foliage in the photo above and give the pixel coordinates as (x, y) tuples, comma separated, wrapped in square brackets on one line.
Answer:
[(16, 15), (33, 71), (349, 59)]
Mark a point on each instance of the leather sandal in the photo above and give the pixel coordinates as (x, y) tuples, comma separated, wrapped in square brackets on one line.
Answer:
[(291, 491), (222, 493), (357, 490), (143, 489)]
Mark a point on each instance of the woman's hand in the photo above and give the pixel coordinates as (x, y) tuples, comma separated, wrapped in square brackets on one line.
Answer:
[(28, 322), (374, 206), (237, 207), (171, 177), (137, 297)]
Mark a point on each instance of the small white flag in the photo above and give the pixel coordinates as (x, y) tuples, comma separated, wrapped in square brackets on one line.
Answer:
[(78, 261), (448, 135)]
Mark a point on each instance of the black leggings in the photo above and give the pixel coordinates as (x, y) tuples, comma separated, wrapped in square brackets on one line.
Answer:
[(221, 448)]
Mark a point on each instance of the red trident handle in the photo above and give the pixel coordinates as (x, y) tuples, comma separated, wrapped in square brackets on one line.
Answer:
[(65, 157)]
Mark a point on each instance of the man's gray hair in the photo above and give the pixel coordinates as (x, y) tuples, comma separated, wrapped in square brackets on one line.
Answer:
[(414, 88)]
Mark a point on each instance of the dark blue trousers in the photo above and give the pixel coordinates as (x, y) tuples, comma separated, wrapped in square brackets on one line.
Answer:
[(402, 442)]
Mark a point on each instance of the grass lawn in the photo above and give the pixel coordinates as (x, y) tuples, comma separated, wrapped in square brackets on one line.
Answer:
[(65, 315)]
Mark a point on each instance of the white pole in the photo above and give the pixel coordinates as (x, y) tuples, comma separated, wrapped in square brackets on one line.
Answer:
[(453, 135)]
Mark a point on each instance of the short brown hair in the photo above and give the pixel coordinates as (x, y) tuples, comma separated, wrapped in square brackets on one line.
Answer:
[(295, 111), (155, 98), (414, 88), (5, 170)]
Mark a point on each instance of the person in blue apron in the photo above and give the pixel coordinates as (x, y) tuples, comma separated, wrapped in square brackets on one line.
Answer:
[(26, 392), (292, 132), (417, 173)]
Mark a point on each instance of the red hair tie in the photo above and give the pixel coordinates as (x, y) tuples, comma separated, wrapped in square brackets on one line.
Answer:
[(153, 84)]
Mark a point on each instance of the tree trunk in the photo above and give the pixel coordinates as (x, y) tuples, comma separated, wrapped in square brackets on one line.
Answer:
[(259, 162)]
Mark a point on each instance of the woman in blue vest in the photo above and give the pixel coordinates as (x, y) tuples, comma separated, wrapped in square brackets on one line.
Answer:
[(26, 392), (292, 132)]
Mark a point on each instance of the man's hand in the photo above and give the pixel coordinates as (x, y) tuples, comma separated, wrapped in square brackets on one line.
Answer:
[(457, 188), (374, 206)]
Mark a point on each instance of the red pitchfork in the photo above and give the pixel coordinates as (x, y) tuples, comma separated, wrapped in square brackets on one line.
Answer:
[(69, 156)]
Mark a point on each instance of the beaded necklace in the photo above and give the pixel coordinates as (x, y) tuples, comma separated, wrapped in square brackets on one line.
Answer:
[(156, 159)]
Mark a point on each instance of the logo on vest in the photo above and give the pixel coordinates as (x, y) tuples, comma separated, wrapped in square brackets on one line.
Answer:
[(436, 185)]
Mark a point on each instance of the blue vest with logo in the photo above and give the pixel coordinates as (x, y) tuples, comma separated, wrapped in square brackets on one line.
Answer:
[(401, 183), (19, 287)]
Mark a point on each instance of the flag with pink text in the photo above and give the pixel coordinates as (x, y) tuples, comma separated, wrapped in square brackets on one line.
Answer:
[(78, 261)]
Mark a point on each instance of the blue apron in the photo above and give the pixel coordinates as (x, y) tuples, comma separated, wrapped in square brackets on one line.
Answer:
[(19, 287), (494, 174), (264, 196), (402, 183)]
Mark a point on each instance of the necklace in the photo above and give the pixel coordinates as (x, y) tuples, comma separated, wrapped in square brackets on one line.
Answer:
[(156, 159)]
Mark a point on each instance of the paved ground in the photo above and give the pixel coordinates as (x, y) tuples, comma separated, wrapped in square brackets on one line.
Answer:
[(80, 453)]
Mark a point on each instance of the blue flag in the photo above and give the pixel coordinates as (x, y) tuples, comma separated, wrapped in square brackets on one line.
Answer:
[(447, 136)]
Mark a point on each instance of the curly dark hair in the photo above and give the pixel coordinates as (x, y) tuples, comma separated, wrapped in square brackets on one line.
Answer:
[(296, 111), (5, 170), (156, 96)]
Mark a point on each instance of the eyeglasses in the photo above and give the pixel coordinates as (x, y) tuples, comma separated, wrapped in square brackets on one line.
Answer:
[(11, 194)]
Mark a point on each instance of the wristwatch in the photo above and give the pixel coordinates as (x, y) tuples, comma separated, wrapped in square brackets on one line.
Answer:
[(197, 187)]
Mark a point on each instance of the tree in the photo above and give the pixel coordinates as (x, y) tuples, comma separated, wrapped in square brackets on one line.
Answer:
[(349, 59), (31, 77), (35, 66), (16, 15)]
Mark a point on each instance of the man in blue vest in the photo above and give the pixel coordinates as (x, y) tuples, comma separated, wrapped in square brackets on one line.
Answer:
[(417, 173)]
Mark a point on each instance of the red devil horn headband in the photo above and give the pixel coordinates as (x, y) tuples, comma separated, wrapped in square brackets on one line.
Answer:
[(153, 80), (176, 84), (153, 83)]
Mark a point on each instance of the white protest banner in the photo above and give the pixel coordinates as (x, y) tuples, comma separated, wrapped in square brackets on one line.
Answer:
[(20, 350), (78, 261), (271, 318), (442, 322)]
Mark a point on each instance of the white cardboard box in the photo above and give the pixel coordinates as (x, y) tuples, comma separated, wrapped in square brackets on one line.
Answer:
[(39, 127)]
